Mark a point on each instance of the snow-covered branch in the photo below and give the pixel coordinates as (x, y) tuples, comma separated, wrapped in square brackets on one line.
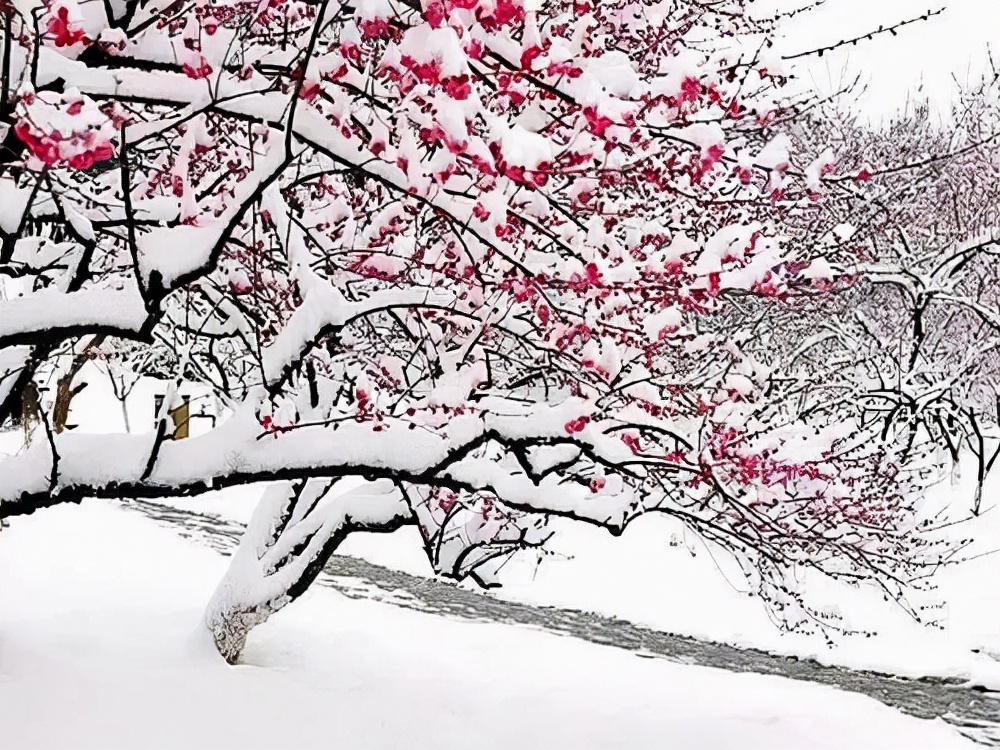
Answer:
[(502, 261)]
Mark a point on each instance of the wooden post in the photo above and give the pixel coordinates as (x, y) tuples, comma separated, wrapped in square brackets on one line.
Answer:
[(180, 416)]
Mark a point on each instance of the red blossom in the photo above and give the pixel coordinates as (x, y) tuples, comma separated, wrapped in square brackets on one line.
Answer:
[(61, 31), (632, 441), (435, 14), (474, 49), (42, 147), (309, 90), (506, 13), (374, 28), (598, 123), (691, 89), (529, 55), (425, 72), (458, 87), (87, 159), (198, 70)]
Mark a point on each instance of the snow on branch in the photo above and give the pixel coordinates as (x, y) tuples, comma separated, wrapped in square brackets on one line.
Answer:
[(47, 315), (505, 257)]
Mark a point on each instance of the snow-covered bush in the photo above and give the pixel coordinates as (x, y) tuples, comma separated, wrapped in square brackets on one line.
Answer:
[(465, 264)]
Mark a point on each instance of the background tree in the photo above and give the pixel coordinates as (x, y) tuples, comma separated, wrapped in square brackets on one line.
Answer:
[(915, 336)]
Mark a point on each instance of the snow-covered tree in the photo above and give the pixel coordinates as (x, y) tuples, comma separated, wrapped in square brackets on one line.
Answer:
[(917, 334), (463, 264)]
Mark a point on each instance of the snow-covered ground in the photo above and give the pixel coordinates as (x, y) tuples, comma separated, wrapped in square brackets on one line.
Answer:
[(658, 575), (100, 647)]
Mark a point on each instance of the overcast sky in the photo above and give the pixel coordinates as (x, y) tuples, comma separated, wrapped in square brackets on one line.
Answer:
[(925, 54)]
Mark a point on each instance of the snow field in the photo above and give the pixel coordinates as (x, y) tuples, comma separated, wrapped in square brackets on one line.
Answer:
[(101, 647)]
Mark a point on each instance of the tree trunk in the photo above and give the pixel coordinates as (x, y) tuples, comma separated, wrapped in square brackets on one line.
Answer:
[(125, 419), (271, 559), (64, 386), (231, 628), (294, 531), (31, 410), (64, 395)]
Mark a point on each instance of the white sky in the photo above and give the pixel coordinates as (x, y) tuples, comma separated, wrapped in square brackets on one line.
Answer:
[(923, 56)]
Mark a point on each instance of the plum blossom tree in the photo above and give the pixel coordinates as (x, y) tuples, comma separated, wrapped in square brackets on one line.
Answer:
[(462, 264)]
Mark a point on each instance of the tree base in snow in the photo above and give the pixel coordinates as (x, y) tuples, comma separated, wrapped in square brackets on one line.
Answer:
[(230, 630)]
